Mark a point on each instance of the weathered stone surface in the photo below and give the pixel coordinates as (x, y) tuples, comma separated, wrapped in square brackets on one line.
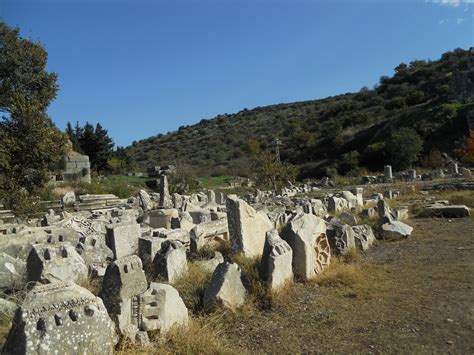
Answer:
[(369, 212), (7, 308), (55, 262), (337, 204), (205, 233), (210, 264), (276, 264), (145, 201), (358, 192), (347, 218), (350, 198), (68, 199), (306, 235), (319, 208), (449, 211), (247, 227), (165, 199), (122, 238), (226, 288), (96, 254), (163, 218), (61, 318), (12, 272), (124, 281), (364, 236), (341, 237), (161, 308), (395, 230), (171, 262)]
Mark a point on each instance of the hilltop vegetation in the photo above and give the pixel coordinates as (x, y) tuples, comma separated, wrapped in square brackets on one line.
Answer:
[(343, 133)]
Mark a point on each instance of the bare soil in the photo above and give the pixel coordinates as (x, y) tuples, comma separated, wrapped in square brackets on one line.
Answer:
[(413, 295)]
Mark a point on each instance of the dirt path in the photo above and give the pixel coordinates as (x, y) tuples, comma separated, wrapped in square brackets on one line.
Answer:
[(415, 295)]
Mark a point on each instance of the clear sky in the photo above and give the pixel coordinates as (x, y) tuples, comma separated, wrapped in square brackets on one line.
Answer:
[(146, 67)]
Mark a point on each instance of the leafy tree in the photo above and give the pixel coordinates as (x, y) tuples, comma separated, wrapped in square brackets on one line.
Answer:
[(31, 146), (23, 72), (403, 148), (271, 172)]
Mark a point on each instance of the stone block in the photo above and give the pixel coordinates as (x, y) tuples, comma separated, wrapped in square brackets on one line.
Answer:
[(247, 227), (61, 318), (306, 235), (161, 308), (276, 264), (170, 262), (122, 238), (48, 263)]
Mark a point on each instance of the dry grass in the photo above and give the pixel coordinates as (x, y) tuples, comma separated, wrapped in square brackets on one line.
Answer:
[(203, 335), (191, 287), (94, 285), (346, 270)]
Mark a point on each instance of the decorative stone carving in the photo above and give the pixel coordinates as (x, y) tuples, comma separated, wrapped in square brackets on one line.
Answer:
[(61, 318), (306, 235), (276, 263)]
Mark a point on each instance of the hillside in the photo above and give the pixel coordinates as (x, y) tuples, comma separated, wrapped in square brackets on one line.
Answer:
[(343, 132)]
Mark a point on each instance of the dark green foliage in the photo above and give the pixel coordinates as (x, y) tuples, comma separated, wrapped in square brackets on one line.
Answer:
[(22, 72), (318, 134), (403, 148), (95, 143)]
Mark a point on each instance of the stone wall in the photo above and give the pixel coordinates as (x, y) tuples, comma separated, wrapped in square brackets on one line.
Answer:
[(78, 168)]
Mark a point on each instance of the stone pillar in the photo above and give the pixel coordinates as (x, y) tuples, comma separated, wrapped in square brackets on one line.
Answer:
[(412, 174), (387, 171), (165, 200)]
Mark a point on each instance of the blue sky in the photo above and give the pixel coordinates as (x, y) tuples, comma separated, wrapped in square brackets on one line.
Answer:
[(146, 67)]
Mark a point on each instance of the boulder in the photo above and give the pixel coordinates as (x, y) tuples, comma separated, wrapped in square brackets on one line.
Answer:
[(276, 264), (306, 235), (247, 227), (226, 288)]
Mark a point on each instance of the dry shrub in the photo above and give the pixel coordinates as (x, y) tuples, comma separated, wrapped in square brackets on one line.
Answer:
[(192, 285)]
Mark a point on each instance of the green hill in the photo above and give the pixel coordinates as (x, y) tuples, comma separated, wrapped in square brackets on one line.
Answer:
[(343, 132)]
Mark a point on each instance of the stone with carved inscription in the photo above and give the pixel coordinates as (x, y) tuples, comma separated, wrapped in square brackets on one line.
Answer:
[(61, 318)]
